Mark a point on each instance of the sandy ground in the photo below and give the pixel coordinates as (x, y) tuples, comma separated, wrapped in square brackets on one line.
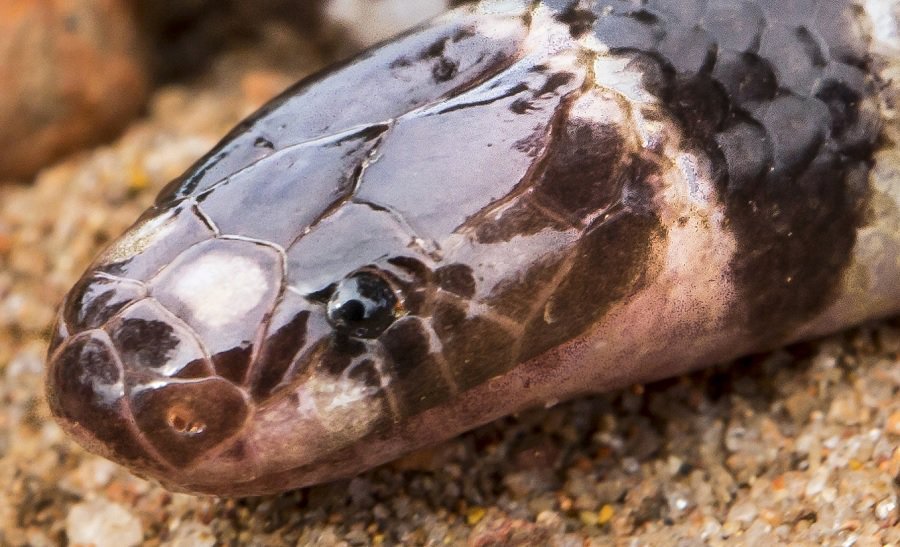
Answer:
[(799, 446)]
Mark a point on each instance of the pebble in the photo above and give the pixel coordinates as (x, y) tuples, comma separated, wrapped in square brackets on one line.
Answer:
[(102, 524), (886, 508), (744, 512), (383, 19), (606, 514), (72, 75), (191, 534), (892, 426), (474, 515)]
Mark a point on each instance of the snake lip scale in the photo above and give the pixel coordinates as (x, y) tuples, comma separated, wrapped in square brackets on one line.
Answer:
[(516, 203)]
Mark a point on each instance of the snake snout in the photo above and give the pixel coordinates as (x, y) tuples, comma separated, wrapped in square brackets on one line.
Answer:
[(130, 381)]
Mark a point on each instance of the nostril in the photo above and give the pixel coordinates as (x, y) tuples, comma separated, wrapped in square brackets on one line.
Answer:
[(184, 422)]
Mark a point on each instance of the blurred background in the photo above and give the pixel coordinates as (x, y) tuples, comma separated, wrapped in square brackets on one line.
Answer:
[(76, 72)]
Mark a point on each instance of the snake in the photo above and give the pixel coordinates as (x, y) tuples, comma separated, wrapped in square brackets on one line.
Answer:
[(514, 204)]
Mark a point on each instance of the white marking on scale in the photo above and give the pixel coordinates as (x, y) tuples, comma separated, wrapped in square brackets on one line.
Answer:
[(341, 405), (220, 289)]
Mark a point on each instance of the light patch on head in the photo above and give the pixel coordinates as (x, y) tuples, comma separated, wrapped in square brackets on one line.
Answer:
[(220, 289)]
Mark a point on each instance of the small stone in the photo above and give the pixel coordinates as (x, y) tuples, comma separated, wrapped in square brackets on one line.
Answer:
[(743, 512), (102, 524), (383, 19), (890, 339), (817, 483), (550, 520), (886, 508), (605, 514), (260, 86), (773, 518), (381, 512), (800, 404), (502, 530), (588, 518), (892, 425), (92, 474), (847, 411), (192, 534), (474, 515), (525, 484), (631, 465)]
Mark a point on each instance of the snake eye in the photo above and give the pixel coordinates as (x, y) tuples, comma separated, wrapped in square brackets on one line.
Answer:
[(363, 306)]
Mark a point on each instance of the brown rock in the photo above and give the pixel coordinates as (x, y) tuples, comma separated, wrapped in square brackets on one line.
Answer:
[(72, 75)]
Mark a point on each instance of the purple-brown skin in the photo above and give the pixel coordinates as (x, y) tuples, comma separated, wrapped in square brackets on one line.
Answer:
[(513, 205)]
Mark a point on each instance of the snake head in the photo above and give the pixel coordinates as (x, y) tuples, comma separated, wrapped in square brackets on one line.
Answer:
[(199, 358), (280, 314), (516, 203), (182, 351)]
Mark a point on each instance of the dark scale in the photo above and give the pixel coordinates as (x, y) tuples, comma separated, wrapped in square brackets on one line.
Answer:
[(476, 348), (783, 108), (619, 248), (144, 343), (584, 172), (457, 279), (287, 335), (94, 300), (152, 343), (89, 390), (414, 367), (232, 363), (516, 218)]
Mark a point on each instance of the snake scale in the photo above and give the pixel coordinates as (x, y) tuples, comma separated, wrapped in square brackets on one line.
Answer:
[(513, 204)]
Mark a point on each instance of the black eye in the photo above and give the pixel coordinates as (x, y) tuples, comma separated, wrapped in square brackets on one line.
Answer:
[(363, 306)]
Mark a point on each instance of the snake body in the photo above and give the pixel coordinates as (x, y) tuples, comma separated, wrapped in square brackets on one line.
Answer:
[(517, 203)]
